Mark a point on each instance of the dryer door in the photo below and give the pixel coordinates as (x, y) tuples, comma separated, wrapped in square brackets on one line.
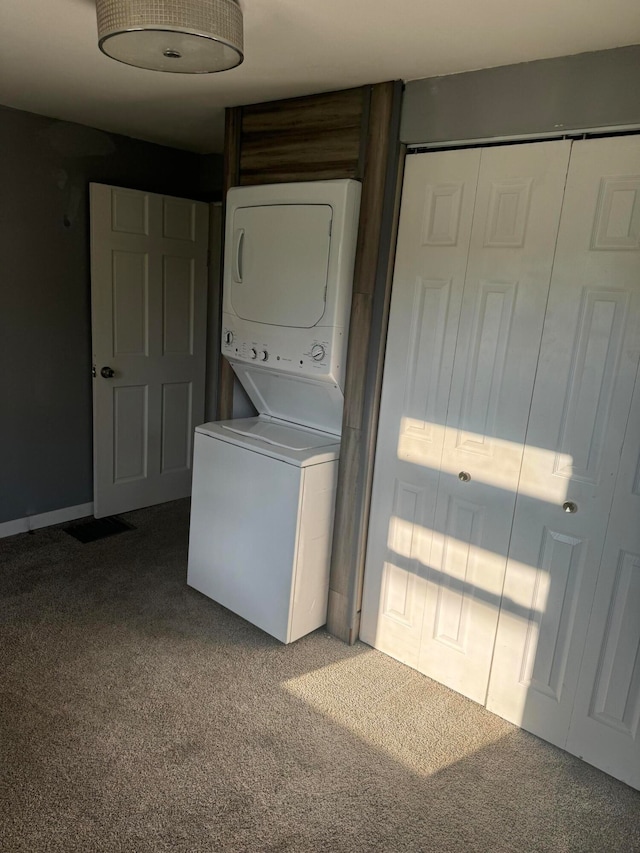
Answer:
[(277, 269)]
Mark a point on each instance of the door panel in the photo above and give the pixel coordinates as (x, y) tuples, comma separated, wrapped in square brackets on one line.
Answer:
[(130, 303), (130, 429), (517, 210), (462, 535), (462, 400), (129, 211), (176, 426), (178, 305), (552, 612), (590, 386), (179, 219), (431, 260), (148, 295), (605, 725), (579, 413)]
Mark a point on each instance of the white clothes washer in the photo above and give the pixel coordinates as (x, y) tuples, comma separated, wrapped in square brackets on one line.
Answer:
[(262, 522)]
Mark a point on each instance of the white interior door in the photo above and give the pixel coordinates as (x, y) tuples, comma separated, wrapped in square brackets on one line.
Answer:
[(438, 543), (148, 303), (579, 414)]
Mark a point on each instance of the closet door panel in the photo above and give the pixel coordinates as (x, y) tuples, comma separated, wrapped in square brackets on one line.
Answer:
[(518, 203), (605, 725), (433, 244), (579, 413)]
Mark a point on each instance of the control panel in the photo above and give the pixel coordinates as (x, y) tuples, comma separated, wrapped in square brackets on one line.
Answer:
[(301, 351)]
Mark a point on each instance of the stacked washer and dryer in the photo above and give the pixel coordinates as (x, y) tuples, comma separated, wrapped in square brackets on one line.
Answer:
[(264, 487)]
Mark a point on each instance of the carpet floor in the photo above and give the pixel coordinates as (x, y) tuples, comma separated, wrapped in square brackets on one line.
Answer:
[(138, 716)]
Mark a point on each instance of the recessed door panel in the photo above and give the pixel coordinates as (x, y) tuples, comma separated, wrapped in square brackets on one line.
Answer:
[(486, 366), (442, 210), (129, 212), (457, 581), (508, 214), (617, 221), (552, 615), (591, 383), (424, 366), (616, 690), (179, 217), (130, 297), (178, 291), (176, 426), (130, 417), (402, 589)]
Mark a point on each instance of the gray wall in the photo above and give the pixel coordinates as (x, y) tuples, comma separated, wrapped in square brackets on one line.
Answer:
[(590, 90), (45, 329)]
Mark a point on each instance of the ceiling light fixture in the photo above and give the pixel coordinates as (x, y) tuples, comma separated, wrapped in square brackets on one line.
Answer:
[(188, 36)]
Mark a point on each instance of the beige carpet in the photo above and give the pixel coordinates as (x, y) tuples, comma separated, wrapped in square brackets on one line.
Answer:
[(136, 715)]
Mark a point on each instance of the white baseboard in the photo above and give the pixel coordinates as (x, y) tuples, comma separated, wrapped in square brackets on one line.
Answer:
[(45, 519)]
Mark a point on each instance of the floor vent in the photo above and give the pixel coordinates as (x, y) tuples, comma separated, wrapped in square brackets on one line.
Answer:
[(98, 528)]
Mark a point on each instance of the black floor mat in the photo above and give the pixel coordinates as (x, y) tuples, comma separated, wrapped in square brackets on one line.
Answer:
[(98, 528)]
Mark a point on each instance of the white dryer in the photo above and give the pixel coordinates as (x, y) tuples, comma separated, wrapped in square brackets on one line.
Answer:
[(264, 488)]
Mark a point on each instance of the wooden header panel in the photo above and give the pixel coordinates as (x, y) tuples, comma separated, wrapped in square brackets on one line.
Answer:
[(310, 138)]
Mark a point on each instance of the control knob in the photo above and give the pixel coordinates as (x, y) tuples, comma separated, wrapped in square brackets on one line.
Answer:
[(228, 337), (318, 352), (253, 352), (264, 355)]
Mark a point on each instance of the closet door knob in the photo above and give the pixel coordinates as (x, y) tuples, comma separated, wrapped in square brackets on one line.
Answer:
[(107, 372), (570, 506), (464, 476)]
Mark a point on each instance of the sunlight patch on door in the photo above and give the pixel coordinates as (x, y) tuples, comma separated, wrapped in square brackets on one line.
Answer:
[(499, 469)]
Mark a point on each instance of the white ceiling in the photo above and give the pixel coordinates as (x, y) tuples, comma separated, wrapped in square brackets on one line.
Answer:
[(50, 63)]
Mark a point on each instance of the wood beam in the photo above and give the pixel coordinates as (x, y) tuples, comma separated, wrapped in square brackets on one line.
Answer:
[(231, 178), (367, 331)]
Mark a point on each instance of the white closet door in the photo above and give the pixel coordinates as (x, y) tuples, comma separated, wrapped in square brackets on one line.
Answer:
[(579, 413), (438, 545), (513, 238), (605, 724), (431, 261)]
